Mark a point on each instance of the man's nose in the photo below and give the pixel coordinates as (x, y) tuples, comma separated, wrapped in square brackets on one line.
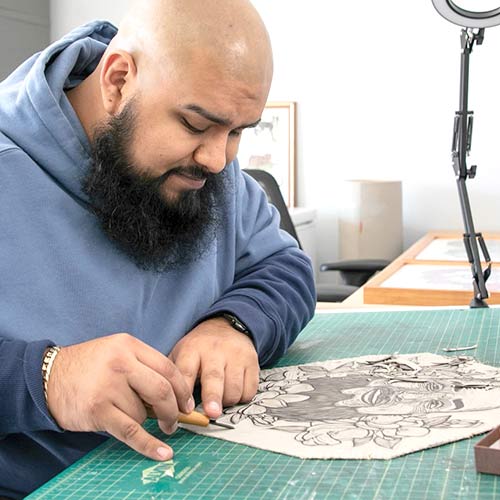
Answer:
[(212, 154)]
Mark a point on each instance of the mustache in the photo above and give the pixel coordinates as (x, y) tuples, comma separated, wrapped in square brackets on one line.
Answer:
[(192, 171)]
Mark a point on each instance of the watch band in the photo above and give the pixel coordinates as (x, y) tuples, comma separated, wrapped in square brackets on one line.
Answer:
[(236, 323)]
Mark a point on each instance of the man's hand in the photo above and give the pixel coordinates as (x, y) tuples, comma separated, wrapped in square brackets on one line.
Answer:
[(100, 385), (224, 359)]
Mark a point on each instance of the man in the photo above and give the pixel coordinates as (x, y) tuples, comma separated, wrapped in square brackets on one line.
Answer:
[(129, 233)]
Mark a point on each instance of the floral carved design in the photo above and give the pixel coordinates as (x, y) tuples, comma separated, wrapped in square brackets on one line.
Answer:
[(378, 402)]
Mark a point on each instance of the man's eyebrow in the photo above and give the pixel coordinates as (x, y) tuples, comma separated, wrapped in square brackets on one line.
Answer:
[(216, 119)]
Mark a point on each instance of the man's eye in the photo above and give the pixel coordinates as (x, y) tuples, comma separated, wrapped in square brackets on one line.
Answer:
[(191, 128), (235, 132)]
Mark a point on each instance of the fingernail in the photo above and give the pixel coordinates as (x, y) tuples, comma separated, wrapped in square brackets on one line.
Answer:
[(213, 406), (163, 453), (173, 428), (190, 404)]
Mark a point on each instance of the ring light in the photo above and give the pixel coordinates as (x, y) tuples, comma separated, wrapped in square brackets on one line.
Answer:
[(461, 15)]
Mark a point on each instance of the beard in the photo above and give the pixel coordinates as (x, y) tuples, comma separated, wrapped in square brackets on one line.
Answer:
[(156, 232)]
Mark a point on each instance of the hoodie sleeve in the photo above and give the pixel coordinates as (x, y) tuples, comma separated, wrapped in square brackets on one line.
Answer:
[(273, 291), (23, 407)]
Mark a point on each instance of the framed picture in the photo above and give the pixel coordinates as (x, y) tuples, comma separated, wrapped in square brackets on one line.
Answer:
[(434, 271), (270, 146)]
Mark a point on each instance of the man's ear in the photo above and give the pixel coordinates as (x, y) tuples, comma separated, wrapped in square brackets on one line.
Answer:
[(117, 80)]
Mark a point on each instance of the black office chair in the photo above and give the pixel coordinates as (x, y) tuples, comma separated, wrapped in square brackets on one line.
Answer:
[(354, 273)]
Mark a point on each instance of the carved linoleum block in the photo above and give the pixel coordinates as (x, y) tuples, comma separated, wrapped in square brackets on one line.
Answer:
[(367, 407)]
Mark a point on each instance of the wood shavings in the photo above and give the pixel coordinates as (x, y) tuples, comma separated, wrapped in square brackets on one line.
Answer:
[(455, 349)]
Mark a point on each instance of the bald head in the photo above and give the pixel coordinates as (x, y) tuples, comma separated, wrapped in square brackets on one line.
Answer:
[(170, 35), (215, 54), (189, 76)]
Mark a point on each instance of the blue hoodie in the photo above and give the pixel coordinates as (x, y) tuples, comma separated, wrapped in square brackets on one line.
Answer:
[(63, 281)]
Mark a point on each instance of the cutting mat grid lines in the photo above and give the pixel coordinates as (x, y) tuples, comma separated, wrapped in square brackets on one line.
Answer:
[(213, 469)]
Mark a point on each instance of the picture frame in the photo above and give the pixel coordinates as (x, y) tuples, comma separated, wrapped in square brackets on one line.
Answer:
[(270, 146), (433, 272)]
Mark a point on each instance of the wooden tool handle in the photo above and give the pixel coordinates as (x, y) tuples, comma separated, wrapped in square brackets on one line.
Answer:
[(194, 418)]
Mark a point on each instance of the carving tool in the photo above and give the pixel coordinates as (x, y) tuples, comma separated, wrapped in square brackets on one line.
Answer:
[(193, 418)]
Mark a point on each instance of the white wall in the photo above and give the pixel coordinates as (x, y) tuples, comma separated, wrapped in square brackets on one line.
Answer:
[(24, 29), (377, 88), (67, 14)]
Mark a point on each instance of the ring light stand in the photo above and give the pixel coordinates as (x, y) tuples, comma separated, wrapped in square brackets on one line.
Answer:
[(474, 24)]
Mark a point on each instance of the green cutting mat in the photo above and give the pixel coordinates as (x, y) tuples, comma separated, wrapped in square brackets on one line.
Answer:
[(215, 469)]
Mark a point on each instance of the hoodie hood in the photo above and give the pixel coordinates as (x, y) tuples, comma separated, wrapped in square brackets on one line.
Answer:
[(33, 104)]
